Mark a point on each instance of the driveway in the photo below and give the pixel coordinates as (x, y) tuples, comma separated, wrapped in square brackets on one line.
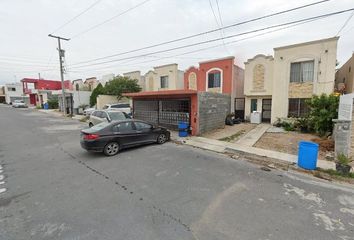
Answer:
[(56, 190)]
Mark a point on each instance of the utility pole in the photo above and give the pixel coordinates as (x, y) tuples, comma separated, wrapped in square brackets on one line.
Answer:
[(61, 56)]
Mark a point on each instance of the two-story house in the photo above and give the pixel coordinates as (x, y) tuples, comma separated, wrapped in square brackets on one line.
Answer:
[(218, 75), (345, 77), (137, 76), (165, 77), (278, 86)]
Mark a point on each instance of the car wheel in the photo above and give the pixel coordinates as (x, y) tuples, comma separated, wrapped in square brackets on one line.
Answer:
[(162, 138), (90, 125), (111, 149)]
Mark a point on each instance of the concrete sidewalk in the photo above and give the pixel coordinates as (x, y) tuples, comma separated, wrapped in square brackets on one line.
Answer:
[(225, 147), (250, 138)]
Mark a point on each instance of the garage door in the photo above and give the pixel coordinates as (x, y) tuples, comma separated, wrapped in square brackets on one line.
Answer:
[(167, 113)]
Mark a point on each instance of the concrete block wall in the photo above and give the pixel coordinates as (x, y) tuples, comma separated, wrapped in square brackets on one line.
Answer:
[(212, 110)]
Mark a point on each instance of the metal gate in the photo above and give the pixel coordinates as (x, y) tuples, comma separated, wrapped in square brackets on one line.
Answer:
[(266, 110), (167, 113), (240, 108)]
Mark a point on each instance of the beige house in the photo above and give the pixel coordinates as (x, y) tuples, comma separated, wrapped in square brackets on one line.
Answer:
[(278, 86), (136, 75), (345, 77), (91, 83), (165, 77)]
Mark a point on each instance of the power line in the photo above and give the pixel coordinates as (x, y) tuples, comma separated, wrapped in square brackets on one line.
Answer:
[(345, 23), (206, 32), (111, 18), (226, 37), (217, 23), (77, 16)]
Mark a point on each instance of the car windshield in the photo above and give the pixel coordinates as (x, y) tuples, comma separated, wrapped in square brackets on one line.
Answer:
[(117, 115), (124, 105), (100, 126), (105, 106)]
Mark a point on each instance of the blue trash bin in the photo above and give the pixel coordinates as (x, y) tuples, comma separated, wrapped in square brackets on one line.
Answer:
[(308, 152), (182, 129), (46, 106)]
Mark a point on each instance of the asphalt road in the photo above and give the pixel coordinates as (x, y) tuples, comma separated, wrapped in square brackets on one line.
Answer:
[(56, 190)]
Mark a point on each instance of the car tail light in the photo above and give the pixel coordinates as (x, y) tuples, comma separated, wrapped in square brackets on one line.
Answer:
[(91, 136)]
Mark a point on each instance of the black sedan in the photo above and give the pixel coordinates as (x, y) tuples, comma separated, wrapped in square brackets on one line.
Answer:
[(111, 137)]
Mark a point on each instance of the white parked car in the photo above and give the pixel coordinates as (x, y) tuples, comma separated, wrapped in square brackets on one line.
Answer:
[(88, 111), (19, 104), (99, 116), (121, 107)]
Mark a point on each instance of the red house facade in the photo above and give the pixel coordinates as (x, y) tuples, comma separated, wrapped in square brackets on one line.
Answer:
[(219, 75), (38, 89)]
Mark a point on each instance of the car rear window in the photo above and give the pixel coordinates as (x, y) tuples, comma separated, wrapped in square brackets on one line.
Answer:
[(117, 116), (123, 105), (99, 126)]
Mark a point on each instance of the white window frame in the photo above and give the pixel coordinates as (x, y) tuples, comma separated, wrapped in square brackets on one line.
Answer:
[(221, 78)]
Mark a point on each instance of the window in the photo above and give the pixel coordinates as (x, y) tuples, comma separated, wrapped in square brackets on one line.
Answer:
[(302, 71), (140, 126), (298, 107), (164, 81), (123, 127), (77, 87), (103, 115), (214, 80), (350, 69), (117, 116), (11, 89), (253, 105), (123, 105)]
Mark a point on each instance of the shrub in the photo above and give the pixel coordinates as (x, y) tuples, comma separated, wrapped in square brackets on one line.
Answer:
[(342, 159), (97, 91), (323, 109), (53, 103)]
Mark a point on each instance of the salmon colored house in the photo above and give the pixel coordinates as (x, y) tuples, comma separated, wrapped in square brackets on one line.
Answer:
[(219, 75)]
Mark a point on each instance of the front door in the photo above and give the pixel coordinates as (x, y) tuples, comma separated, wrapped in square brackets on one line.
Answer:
[(240, 108), (266, 110)]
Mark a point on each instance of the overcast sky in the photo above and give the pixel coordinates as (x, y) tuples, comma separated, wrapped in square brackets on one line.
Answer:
[(26, 49)]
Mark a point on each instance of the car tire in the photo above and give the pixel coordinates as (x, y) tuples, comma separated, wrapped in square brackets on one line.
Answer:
[(162, 138), (111, 149), (90, 125)]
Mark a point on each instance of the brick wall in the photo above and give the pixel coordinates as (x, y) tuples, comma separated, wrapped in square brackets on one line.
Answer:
[(212, 110), (300, 90)]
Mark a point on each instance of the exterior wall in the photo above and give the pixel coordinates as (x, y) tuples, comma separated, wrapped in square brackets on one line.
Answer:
[(136, 75), (81, 97), (258, 81), (105, 99), (175, 78), (324, 54), (12, 95), (212, 110), (345, 75)]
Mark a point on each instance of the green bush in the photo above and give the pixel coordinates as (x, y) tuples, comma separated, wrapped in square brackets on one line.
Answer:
[(97, 91), (53, 103), (323, 109), (342, 159)]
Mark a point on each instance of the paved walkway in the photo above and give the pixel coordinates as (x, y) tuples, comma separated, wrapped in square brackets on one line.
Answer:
[(222, 147), (250, 138)]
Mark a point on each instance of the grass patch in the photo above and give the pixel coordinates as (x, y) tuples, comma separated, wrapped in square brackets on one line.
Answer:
[(232, 137), (334, 173)]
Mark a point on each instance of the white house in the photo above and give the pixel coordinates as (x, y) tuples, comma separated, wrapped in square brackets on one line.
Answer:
[(14, 91), (278, 86)]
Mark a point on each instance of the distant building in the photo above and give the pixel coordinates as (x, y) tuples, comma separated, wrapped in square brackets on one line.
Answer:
[(165, 77), (106, 78), (91, 83), (136, 75), (2, 94), (345, 77), (14, 91), (39, 90), (78, 84)]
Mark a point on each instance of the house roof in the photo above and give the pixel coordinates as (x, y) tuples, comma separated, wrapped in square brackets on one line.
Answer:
[(218, 59), (308, 43), (161, 93), (35, 80)]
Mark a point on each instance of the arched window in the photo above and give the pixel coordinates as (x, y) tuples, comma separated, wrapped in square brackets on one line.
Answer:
[(214, 78), (77, 87), (192, 81)]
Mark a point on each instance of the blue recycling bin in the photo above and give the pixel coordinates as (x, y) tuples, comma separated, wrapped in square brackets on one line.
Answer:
[(307, 157), (46, 106), (183, 129)]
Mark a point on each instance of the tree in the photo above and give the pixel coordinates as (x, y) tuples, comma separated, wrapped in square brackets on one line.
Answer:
[(120, 85), (97, 91), (323, 109)]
